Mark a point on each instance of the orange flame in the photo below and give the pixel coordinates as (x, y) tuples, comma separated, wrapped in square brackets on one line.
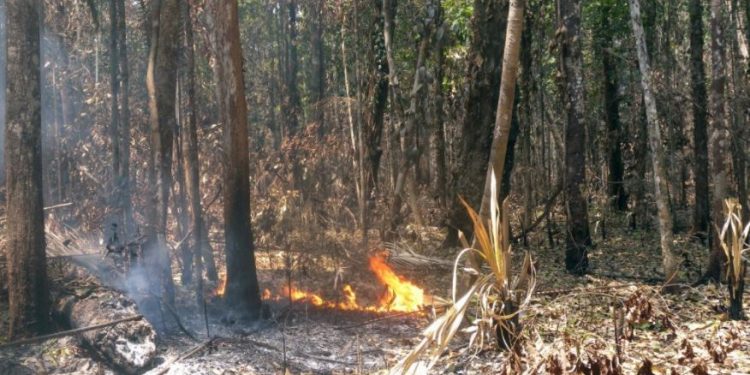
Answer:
[(401, 295), (222, 287)]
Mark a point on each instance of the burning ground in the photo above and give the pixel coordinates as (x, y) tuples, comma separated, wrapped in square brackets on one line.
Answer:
[(337, 321)]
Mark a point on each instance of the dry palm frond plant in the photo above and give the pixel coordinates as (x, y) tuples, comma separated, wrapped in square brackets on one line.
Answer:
[(497, 299), (734, 240)]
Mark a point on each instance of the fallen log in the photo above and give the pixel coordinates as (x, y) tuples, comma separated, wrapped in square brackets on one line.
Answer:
[(80, 300), (69, 332)]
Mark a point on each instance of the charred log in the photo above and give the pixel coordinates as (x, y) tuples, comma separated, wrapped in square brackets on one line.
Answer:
[(81, 301)]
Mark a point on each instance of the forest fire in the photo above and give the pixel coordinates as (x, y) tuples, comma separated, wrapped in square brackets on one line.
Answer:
[(401, 295)]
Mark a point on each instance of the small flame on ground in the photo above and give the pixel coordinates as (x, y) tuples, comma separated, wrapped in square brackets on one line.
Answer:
[(401, 294)]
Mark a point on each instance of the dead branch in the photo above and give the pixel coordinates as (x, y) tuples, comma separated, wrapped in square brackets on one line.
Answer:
[(69, 332), (375, 320), (185, 355), (547, 207), (61, 205)]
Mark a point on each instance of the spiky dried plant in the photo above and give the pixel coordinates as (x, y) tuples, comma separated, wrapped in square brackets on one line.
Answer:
[(734, 241), (498, 300)]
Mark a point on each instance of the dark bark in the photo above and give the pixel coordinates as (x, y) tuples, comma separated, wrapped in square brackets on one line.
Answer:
[(376, 98), (318, 64), (28, 295), (483, 87), (578, 237), (438, 116), (616, 169), (700, 118), (721, 163), (242, 292), (292, 106)]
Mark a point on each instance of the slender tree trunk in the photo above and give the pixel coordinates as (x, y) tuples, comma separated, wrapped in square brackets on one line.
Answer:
[(502, 132), (192, 165), (700, 117), (438, 126), (28, 293), (616, 169), (123, 174), (376, 95), (670, 260), (242, 292), (408, 133), (721, 162), (578, 237), (318, 63), (161, 80), (114, 126), (179, 198)]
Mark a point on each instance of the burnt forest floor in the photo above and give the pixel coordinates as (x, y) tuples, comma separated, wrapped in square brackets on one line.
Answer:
[(569, 324)]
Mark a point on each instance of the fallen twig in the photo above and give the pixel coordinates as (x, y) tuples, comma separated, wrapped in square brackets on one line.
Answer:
[(185, 355), (61, 205), (547, 208), (573, 290), (375, 320), (69, 332)]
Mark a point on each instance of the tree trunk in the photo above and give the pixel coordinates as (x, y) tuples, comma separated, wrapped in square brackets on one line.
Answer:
[(578, 237), (408, 133), (123, 174), (700, 116), (114, 126), (376, 97), (28, 295), (488, 25), (161, 80), (318, 63), (242, 292), (505, 333), (721, 162), (502, 132), (670, 260), (438, 132), (190, 153), (616, 169)]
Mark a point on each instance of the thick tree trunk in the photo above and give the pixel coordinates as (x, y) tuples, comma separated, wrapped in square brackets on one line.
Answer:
[(161, 80), (505, 108), (700, 117), (670, 260), (484, 61), (720, 161), (28, 295), (578, 238), (242, 292)]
